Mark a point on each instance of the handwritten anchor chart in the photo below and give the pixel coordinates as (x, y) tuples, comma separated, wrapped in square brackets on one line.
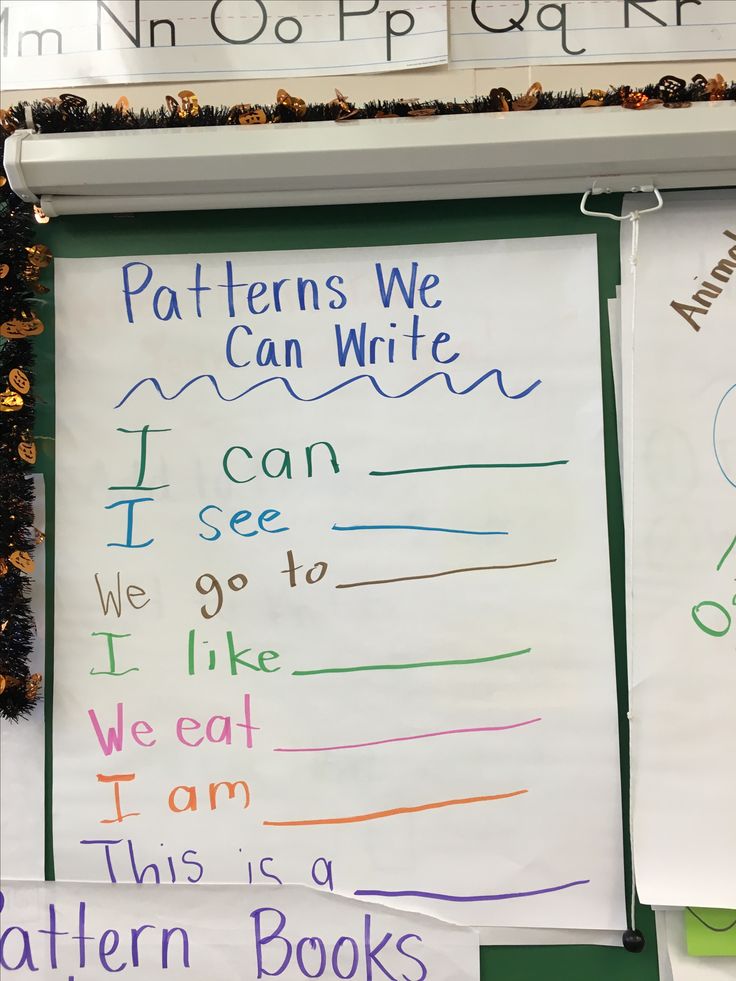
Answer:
[(683, 588), (333, 598)]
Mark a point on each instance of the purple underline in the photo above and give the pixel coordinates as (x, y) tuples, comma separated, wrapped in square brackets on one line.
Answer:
[(401, 739), (468, 899)]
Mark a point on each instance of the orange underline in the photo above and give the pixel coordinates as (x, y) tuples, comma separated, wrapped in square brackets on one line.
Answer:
[(394, 810)]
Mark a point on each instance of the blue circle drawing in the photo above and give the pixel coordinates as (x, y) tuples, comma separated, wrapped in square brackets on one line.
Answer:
[(715, 436)]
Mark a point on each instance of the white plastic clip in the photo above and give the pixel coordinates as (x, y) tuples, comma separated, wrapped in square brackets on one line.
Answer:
[(645, 188), (632, 216)]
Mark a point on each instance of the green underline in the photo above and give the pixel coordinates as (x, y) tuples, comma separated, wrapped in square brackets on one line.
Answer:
[(470, 466), (413, 664)]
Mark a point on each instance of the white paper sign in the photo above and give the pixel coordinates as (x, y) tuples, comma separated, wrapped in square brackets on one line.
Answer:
[(683, 460), (65, 931), (489, 33), (360, 625), (90, 42)]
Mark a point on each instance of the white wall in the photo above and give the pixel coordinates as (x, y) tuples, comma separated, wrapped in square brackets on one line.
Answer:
[(439, 83)]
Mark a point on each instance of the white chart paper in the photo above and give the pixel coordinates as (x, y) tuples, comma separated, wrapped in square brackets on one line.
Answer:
[(365, 630), (503, 33), (681, 386), (66, 930), (47, 43)]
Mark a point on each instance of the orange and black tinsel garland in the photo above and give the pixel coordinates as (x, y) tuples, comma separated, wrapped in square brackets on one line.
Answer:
[(72, 113), (20, 265)]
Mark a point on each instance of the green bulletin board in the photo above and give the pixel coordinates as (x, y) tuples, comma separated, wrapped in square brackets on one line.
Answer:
[(343, 227)]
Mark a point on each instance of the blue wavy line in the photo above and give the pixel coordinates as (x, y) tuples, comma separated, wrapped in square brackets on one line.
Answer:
[(330, 391)]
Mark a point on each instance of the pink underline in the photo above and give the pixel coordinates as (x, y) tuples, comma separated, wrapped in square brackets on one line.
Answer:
[(401, 739)]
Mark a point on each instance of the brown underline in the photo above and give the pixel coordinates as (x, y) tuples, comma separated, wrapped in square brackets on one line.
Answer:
[(448, 572)]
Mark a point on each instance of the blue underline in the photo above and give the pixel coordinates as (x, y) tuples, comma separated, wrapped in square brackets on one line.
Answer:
[(448, 531)]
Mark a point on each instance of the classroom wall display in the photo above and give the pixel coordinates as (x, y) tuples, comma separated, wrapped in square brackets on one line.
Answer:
[(67, 930), (332, 578), (85, 42), (496, 33), (680, 479)]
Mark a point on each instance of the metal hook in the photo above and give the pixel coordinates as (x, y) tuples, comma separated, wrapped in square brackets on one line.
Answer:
[(649, 188)]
